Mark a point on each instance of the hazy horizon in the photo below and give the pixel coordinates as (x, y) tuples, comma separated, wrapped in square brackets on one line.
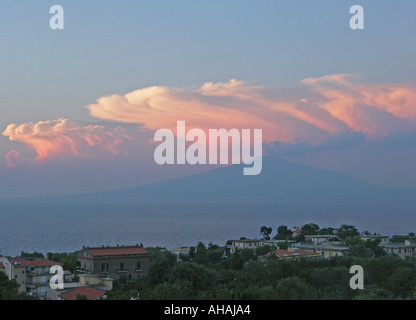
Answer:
[(79, 106)]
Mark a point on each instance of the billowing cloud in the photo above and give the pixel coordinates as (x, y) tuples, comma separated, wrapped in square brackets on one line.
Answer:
[(312, 111), (376, 109), (63, 137), (324, 113)]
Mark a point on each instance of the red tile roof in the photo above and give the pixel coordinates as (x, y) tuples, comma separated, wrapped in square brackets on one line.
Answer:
[(23, 262), (90, 293), (115, 251), (283, 253)]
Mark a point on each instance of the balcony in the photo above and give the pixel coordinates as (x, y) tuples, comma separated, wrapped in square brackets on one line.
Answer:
[(34, 284), (122, 271), (37, 272)]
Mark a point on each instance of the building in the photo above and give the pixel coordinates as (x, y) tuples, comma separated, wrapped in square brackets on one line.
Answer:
[(82, 292), (326, 250), (88, 280), (179, 252), (330, 250), (277, 243), (296, 232), (32, 275), (383, 239), (243, 244), (402, 249), (320, 238), (293, 254), (121, 262)]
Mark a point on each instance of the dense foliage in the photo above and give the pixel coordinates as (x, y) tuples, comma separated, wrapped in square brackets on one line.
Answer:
[(211, 272), (9, 289), (246, 274)]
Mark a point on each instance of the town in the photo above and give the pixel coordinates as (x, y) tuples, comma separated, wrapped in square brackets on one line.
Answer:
[(304, 262)]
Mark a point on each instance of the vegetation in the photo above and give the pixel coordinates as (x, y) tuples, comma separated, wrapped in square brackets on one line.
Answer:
[(246, 274), (69, 260), (9, 289), (211, 272)]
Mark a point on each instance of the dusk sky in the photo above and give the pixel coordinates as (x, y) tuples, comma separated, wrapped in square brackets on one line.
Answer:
[(79, 106)]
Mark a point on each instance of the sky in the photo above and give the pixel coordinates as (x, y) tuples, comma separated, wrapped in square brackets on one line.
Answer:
[(79, 106)]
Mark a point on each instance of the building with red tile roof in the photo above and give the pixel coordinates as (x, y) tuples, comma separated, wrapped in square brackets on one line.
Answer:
[(115, 262), (32, 275), (290, 254), (89, 293)]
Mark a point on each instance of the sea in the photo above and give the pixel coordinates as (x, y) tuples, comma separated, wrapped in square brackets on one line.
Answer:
[(67, 227)]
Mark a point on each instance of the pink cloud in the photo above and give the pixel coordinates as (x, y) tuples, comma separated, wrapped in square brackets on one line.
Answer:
[(311, 111), (377, 109), (52, 138)]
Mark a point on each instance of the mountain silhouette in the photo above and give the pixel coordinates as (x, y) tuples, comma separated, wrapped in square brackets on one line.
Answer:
[(279, 180)]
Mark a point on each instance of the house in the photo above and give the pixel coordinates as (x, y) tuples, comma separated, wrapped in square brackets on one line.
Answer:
[(293, 254), (243, 244), (121, 262), (277, 243), (330, 250), (383, 239), (326, 250), (296, 232), (82, 292), (402, 249), (179, 252), (320, 238), (31, 274)]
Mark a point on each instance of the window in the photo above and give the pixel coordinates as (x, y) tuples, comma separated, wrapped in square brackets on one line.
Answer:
[(121, 266), (104, 267), (138, 266)]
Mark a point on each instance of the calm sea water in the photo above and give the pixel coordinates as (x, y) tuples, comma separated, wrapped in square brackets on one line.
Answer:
[(53, 227)]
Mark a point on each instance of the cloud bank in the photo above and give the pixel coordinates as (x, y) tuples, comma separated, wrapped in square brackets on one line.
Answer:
[(324, 113), (52, 138)]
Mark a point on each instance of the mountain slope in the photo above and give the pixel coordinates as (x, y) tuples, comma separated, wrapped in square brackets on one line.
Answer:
[(279, 180)]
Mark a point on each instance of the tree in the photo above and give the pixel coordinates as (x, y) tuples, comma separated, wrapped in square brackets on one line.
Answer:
[(160, 267), (36, 255), (264, 249), (69, 260), (293, 288), (400, 282), (345, 231), (310, 228), (9, 289), (360, 250), (201, 277), (377, 250), (266, 231), (214, 256), (373, 293), (398, 238), (283, 233), (325, 231), (201, 252), (178, 290)]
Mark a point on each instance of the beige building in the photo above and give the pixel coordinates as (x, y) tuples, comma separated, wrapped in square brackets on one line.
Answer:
[(403, 249), (243, 244), (32, 275), (88, 280), (121, 262), (326, 250)]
